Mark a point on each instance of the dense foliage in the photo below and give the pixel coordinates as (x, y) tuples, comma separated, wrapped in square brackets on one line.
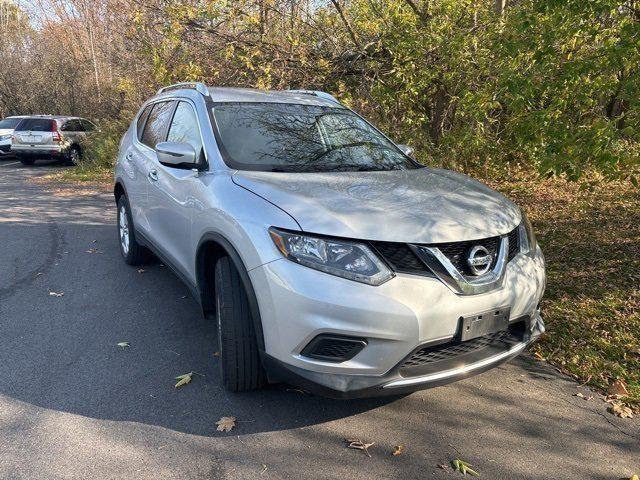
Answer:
[(551, 84)]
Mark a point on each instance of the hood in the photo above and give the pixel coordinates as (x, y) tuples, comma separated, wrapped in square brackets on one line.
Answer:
[(414, 206)]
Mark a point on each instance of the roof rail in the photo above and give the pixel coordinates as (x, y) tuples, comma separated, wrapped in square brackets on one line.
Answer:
[(317, 93), (199, 87)]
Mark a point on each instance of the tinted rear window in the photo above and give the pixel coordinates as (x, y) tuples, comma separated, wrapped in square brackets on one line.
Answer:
[(36, 125), (9, 122)]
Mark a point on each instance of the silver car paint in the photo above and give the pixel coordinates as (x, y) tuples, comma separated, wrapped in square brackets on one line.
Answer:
[(417, 206), (296, 303)]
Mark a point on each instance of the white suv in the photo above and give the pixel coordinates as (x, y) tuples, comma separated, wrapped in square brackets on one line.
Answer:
[(329, 258)]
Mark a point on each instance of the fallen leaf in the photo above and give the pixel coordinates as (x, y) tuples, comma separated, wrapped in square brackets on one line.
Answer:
[(618, 388), (183, 379), (264, 469), (225, 424), (398, 450), (634, 477), (620, 410), (39, 273), (216, 354), (123, 345), (443, 466), (359, 445), (538, 356), (56, 294), (141, 270), (93, 250), (464, 468), (579, 394)]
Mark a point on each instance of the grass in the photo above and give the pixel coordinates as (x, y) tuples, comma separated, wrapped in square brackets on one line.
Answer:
[(591, 240), (590, 234)]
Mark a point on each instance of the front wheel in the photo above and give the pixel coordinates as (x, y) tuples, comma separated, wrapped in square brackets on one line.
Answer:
[(240, 365)]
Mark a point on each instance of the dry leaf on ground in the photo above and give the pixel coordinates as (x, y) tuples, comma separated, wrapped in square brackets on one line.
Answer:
[(620, 410), (123, 345), (141, 270), (398, 450), (359, 445), (93, 250), (56, 294), (618, 388), (225, 424), (464, 468), (183, 379)]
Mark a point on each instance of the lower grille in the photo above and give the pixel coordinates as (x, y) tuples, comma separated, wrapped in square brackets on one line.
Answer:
[(333, 348), (449, 355)]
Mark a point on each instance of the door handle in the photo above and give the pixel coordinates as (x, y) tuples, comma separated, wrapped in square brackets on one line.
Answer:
[(153, 175)]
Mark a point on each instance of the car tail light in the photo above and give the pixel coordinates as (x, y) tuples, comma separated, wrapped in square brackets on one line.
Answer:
[(55, 133)]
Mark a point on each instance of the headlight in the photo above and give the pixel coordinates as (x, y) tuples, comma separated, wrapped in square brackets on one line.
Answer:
[(5, 137), (342, 258), (528, 242)]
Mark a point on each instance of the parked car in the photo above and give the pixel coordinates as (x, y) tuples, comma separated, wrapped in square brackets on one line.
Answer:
[(7, 126), (50, 137), (328, 257)]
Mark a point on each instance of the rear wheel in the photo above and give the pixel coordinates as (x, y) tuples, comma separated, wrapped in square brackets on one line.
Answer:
[(27, 161), (132, 252), (240, 364), (74, 156)]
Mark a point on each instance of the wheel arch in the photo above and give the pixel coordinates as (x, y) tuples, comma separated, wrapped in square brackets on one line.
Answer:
[(119, 190), (211, 247)]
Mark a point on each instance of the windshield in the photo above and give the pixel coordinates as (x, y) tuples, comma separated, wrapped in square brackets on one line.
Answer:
[(9, 122), (302, 138)]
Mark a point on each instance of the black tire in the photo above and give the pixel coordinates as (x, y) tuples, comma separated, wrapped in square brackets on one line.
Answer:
[(133, 253), (73, 156), (27, 161), (240, 365)]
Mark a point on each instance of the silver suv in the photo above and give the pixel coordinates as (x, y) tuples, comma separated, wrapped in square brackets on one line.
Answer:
[(50, 137), (328, 257)]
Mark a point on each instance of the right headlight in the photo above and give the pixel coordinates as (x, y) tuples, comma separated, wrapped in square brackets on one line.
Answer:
[(528, 242), (342, 258)]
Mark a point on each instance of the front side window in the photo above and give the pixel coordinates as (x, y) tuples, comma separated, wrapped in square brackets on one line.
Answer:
[(10, 122), (302, 138), (184, 128), (156, 126)]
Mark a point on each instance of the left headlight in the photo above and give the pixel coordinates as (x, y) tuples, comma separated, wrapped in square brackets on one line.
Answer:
[(343, 258), (528, 242), (5, 137)]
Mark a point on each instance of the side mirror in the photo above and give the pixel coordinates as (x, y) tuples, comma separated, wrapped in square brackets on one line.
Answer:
[(407, 150), (176, 154)]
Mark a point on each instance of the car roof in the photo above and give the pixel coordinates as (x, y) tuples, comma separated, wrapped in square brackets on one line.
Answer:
[(250, 95), (51, 117)]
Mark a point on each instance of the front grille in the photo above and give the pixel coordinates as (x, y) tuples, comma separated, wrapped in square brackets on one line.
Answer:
[(514, 243), (430, 358), (402, 259), (333, 348), (457, 252)]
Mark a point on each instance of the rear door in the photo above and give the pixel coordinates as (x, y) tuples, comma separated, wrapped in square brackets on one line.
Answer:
[(73, 130), (171, 199)]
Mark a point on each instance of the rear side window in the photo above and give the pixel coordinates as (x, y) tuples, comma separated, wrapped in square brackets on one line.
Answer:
[(141, 119), (156, 126), (36, 125), (72, 126)]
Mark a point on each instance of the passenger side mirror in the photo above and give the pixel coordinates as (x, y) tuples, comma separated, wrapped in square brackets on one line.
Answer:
[(407, 150), (176, 154)]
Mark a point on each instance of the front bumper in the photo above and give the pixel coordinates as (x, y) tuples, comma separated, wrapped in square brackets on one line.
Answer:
[(393, 383), (298, 303)]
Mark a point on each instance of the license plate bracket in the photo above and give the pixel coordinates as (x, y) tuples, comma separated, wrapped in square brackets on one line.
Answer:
[(484, 323)]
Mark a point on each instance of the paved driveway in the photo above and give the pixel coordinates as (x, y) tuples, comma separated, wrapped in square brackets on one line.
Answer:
[(74, 405)]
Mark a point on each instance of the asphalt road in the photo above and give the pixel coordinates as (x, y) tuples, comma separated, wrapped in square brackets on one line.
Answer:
[(74, 405)]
